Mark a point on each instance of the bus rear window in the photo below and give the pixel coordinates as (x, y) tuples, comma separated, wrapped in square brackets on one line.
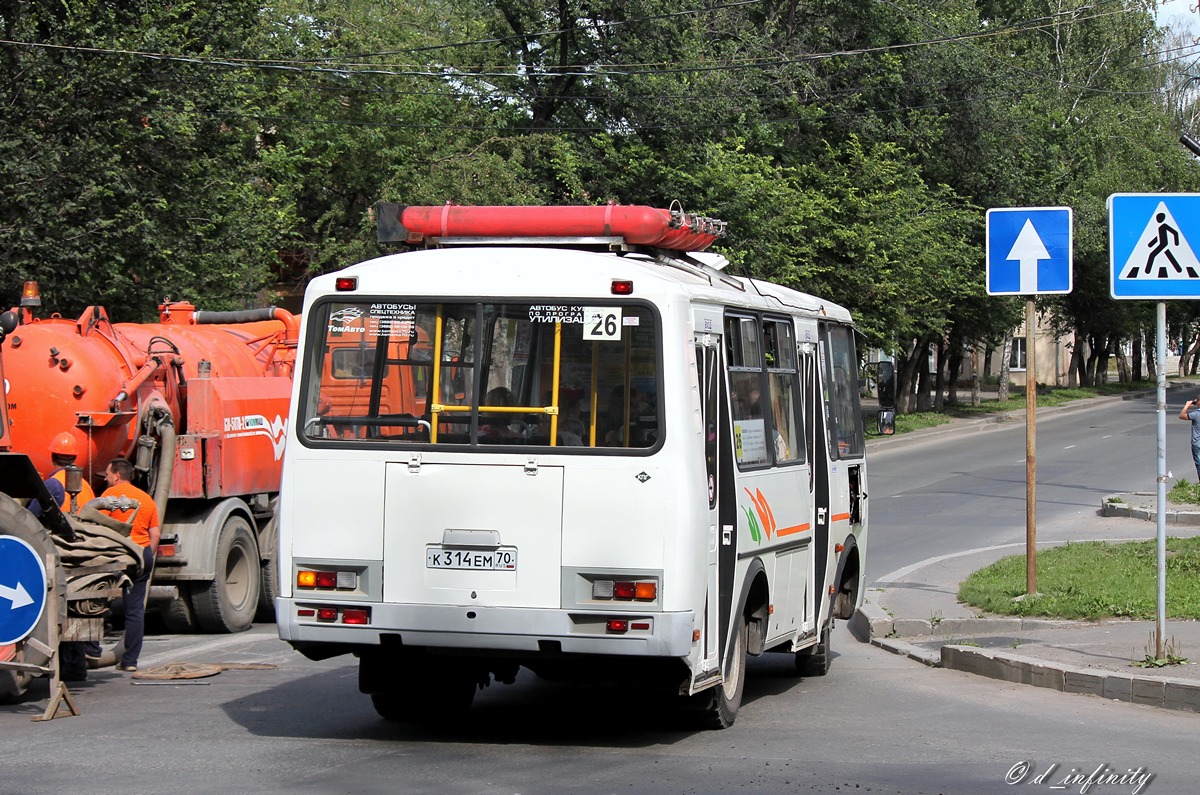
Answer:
[(483, 374)]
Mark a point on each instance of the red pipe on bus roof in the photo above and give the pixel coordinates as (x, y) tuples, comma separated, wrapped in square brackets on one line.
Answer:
[(635, 224)]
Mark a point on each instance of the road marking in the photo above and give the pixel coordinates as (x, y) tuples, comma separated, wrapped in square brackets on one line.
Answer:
[(1068, 447), (189, 650)]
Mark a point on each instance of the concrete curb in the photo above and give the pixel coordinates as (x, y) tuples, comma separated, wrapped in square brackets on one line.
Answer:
[(873, 625), (1124, 508), (871, 622), (1152, 691)]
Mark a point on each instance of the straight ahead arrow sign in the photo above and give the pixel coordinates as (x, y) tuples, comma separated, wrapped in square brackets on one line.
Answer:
[(18, 596), (1027, 250)]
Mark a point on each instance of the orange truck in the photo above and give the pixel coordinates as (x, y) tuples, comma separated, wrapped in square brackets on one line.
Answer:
[(198, 402)]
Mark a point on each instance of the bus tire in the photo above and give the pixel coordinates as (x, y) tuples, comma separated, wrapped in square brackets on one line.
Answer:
[(437, 700), (719, 705), (816, 660), (228, 603), (18, 522)]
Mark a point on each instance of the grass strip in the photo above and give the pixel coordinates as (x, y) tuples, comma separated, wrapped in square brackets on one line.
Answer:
[(1092, 580)]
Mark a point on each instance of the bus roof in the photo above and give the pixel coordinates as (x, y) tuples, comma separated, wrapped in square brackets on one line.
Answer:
[(569, 272)]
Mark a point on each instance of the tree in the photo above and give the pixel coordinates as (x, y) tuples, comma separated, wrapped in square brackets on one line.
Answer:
[(127, 178)]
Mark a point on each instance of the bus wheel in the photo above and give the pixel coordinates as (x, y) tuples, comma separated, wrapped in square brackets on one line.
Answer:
[(719, 705), (18, 522), (229, 602), (436, 700), (815, 660)]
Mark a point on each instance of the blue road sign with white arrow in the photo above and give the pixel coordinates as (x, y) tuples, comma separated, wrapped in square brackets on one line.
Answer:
[(1029, 250), (22, 589), (1152, 243)]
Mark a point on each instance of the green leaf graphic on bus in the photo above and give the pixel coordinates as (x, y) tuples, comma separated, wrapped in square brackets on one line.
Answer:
[(764, 515), (755, 533)]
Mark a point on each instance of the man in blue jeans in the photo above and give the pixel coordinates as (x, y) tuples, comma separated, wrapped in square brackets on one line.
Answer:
[(1191, 411), (145, 533)]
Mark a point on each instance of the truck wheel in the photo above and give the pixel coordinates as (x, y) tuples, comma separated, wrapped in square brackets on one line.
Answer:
[(228, 603), (179, 616), (18, 522), (268, 590), (719, 705), (816, 660)]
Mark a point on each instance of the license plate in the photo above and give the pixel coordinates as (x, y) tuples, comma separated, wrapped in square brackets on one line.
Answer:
[(500, 559)]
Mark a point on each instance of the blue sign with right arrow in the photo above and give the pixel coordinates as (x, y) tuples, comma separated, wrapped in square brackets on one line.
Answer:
[(22, 589)]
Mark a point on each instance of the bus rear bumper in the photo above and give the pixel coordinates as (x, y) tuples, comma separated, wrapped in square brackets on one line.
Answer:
[(511, 629)]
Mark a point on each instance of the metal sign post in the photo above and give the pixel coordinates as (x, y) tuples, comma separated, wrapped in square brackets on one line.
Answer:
[(1160, 611), (1152, 244)]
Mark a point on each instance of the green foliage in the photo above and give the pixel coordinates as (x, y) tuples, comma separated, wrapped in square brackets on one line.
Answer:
[(851, 147), (128, 179), (1092, 580), (1184, 493)]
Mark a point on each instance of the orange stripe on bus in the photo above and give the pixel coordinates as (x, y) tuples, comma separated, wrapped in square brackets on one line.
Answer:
[(797, 528), (840, 517)]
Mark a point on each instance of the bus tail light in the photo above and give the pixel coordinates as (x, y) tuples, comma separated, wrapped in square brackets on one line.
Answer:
[(327, 580), (360, 616), (625, 590), (618, 625)]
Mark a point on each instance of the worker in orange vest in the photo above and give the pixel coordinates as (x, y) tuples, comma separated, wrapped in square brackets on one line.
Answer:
[(64, 449), (146, 532)]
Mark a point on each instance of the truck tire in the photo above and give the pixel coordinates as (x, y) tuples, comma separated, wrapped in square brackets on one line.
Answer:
[(18, 522), (178, 615), (268, 590), (228, 603)]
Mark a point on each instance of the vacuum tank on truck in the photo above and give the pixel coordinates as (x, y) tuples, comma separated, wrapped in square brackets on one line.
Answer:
[(198, 402)]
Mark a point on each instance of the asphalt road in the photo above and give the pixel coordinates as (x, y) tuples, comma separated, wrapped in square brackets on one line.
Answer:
[(968, 490), (877, 724)]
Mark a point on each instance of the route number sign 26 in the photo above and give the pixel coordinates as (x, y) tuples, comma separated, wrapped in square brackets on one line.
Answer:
[(602, 323)]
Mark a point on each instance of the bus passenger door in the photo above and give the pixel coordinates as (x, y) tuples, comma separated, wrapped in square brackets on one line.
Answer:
[(711, 377)]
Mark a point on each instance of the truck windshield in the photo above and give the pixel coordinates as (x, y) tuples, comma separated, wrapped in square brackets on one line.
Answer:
[(473, 373)]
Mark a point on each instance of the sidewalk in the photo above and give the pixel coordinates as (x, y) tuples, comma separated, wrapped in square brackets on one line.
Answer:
[(915, 611)]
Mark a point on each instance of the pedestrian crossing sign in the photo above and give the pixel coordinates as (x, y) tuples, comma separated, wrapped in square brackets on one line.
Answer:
[(1152, 241)]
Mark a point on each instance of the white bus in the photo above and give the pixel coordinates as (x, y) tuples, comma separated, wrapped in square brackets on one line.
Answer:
[(541, 441)]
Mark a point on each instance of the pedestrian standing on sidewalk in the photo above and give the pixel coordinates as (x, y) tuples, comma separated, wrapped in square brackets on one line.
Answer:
[(146, 532), (1191, 411)]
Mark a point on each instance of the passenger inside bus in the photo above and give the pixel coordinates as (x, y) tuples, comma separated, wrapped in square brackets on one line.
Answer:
[(497, 425), (610, 422)]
